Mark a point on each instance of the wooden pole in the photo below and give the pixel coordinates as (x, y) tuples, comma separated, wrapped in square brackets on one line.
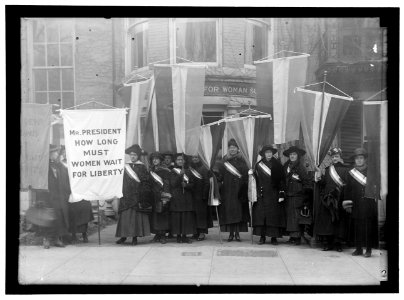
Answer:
[(252, 238), (218, 221), (99, 230)]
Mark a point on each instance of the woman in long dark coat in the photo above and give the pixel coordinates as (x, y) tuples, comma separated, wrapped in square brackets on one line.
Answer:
[(331, 220), (233, 210), (298, 185), (56, 198), (181, 205), (363, 209), (136, 192), (200, 195), (269, 216), (160, 183)]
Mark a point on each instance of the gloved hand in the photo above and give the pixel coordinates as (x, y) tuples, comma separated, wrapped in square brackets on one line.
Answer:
[(347, 205)]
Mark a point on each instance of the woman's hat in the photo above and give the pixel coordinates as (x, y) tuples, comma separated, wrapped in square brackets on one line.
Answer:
[(134, 148), (168, 154), (232, 142), (156, 155), (359, 151), (334, 151), (179, 154), (295, 149), (53, 148), (265, 148)]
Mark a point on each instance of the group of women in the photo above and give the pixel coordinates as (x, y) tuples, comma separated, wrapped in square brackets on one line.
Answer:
[(170, 198)]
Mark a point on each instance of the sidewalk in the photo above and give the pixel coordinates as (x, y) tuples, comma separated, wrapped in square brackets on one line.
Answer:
[(201, 263)]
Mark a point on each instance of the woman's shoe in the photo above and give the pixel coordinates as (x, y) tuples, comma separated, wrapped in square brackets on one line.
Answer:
[(134, 241), (85, 238), (46, 243), (298, 241), (291, 241), (179, 239), (59, 243), (368, 253), (163, 240), (121, 240), (74, 239), (201, 237), (237, 237), (357, 252), (156, 238), (231, 237), (274, 241), (262, 240), (186, 240), (195, 236), (338, 247)]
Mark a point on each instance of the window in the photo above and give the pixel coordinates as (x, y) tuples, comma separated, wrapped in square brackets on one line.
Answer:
[(53, 62), (256, 41), (138, 34), (351, 46), (196, 40)]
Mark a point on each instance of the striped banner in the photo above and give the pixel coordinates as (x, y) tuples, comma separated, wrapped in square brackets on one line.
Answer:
[(176, 110), (276, 81), (318, 137), (375, 113), (141, 95)]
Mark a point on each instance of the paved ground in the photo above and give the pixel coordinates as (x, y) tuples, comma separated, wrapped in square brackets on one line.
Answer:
[(201, 263)]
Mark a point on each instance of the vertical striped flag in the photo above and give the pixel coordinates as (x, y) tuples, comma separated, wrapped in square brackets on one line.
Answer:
[(330, 111), (276, 81), (176, 110), (375, 113), (141, 95)]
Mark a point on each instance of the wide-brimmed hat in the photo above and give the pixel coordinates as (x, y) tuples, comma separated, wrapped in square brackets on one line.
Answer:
[(156, 155), (53, 148), (292, 149), (359, 151), (232, 142), (334, 151), (134, 148), (265, 148)]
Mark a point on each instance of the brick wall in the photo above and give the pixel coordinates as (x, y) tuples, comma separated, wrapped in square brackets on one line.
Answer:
[(158, 40), (93, 60), (233, 42)]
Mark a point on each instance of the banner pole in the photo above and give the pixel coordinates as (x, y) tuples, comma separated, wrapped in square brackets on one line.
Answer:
[(250, 205), (218, 221), (99, 231)]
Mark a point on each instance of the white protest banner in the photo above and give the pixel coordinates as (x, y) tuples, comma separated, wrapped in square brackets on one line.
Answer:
[(95, 152)]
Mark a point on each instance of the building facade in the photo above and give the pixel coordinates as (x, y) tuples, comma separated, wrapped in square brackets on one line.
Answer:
[(68, 62)]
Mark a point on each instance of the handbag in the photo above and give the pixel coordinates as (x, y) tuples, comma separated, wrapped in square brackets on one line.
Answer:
[(41, 216), (144, 208)]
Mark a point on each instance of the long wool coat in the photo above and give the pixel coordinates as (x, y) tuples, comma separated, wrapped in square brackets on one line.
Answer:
[(298, 183), (57, 197), (133, 191), (330, 218), (200, 195), (160, 221), (181, 197), (267, 209), (233, 192)]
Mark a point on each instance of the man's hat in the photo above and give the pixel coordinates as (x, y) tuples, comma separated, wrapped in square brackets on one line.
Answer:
[(134, 148), (295, 149), (167, 154), (334, 151), (156, 155), (53, 148), (359, 151), (265, 148), (232, 142)]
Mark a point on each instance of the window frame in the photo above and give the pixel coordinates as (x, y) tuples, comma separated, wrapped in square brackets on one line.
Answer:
[(219, 44), (268, 26), (128, 45), (32, 67)]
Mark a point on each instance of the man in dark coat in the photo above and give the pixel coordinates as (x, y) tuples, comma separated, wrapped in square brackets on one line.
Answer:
[(269, 216), (56, 198), (160, 184), (136, 190), (182, 212), (168, 160), (363, 209), (331, 220), (233, 176), (298, 185), (200, 195)]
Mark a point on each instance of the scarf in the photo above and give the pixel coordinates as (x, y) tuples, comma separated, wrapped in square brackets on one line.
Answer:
[(362, 168)]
